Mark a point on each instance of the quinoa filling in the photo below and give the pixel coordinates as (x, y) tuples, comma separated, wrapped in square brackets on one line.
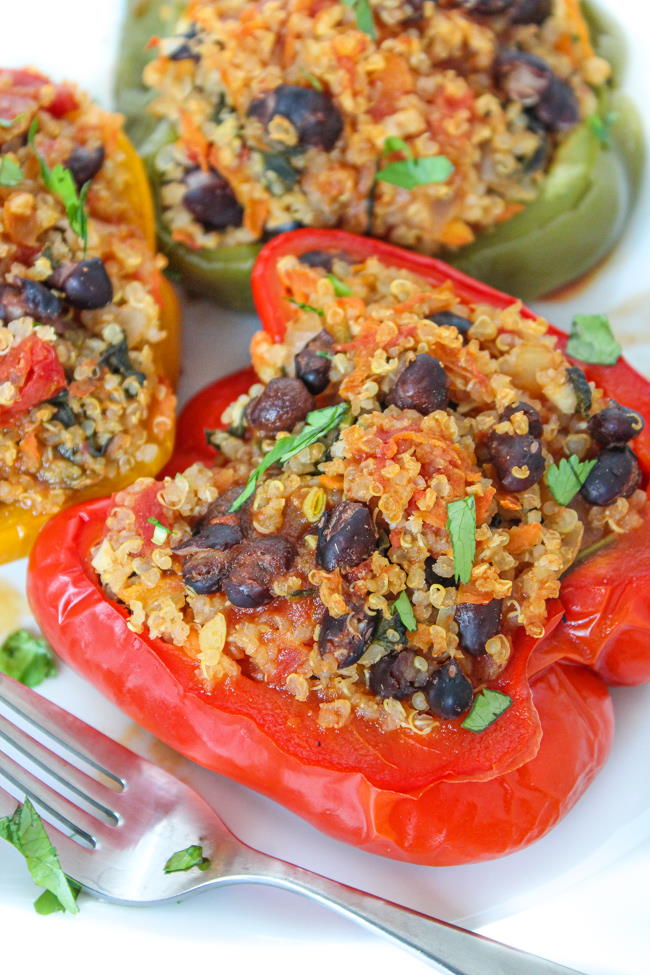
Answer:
[(79, 324), (339, 573), (423, 124)]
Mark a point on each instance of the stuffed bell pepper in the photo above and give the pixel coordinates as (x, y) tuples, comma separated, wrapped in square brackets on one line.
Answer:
[(346, 593), (492, 133), (88, 325)]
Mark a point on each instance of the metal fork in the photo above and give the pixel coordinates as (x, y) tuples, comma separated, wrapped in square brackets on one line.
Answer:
[(148, 814)]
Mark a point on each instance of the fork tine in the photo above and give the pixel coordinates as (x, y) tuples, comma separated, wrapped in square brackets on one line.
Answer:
[(71, 816), (94, 792), (75, 860), (81, 739)]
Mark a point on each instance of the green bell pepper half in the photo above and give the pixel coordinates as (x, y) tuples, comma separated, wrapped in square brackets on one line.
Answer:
[(577, 217)]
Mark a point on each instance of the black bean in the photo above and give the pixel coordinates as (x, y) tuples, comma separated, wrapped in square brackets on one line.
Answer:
[(324, 259), (311, 367), (254, 567), (32, 298), (582, 389), (223, 504), (477, 622), (284, 402), (396, 675), (462, 325), (346, 636), (85, 163), (86, 285), (558, 108), (211, 200), (222, 532), (313, 114), (118, 360), (486, 7), (616, 474), (449, 692), (615, 425), (204, 571), (63, 412), (535, 426), (347, 537), (523, 77), (508, 453), (283, 228), (530, 11), (421, 386), (540, 155), (432, 578)]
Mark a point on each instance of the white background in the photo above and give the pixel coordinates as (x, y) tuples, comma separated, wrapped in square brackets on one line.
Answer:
[(579, 896)]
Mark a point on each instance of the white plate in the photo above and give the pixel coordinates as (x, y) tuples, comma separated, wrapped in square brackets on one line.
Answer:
[(576, 895)]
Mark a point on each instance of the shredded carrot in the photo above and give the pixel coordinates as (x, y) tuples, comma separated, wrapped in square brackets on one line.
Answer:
[(509, 210), (332, 482), (194, 140), (456, 233), (576, 45), (523, 537), (256, 213), (29, 447), (509, 501)]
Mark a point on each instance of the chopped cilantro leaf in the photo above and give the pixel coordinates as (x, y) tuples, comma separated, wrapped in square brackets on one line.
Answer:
[(566, 478), (409, 173), (402, 606), (363, 13), (27, 658), (10, 172), (6, 123), (25, 831), (487, 707), (313, 80), (60, 182), (394, 144), (341, 289), (187, 860), (317, 424), (592, 340), (160, 531), (305, 307), (461, 525), (49, 903), (601, 126)]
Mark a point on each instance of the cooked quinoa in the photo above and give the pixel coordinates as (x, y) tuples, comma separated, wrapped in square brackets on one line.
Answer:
[(282, 112), (298, 586), (79, 326)]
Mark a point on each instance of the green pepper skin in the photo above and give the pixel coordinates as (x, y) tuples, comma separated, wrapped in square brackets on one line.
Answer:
[(574, 222)]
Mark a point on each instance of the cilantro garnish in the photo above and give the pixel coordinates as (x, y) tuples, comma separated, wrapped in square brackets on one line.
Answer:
[(487, 707), (402, 606), (592, 340), (324, 355), (25, 831), (27, 658), (411, 172), (341, 289), (317, 424), (60, 182), (566, 478), (305, 307), (363, 13), (461, 525), (187, 860), (10, 172), (313, 80), (7, 123), (160, 531), (601, 126)]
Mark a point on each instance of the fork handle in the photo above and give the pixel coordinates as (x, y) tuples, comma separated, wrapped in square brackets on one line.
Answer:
[(451, 949)]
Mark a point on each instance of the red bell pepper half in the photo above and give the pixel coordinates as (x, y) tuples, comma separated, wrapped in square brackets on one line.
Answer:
[(451, 797)]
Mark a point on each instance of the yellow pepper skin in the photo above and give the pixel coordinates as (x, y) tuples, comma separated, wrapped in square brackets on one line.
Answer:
[(18, 526)]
